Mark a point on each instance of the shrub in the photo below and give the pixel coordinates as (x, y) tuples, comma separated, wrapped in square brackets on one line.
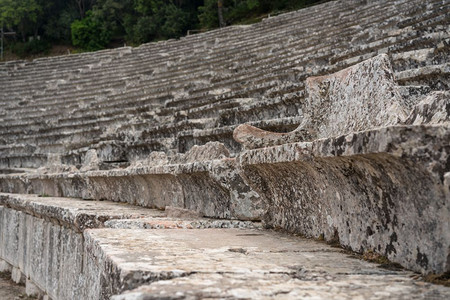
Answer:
[(31, 48), (89, 33)]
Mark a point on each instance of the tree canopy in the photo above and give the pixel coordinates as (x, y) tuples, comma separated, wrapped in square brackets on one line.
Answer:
[(97, 24)]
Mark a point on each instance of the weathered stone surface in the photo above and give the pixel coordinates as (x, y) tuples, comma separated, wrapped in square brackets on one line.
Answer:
[(240, 264), (433, 109), (212, 186), (178, 223), (176, 212), (361, 97), (252, 137), (45, 241), (307, 285), (371, 191), (54, 165), (91, 161), (382, 190), (154, 159), (74, 213), (209, 151), (100, 262)]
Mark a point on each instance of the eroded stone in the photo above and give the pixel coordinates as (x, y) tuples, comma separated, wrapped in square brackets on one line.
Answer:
[(369, 190)]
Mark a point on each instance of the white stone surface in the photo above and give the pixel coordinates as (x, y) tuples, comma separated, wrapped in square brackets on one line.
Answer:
[(31, 290), (17, 276), (5, 267)]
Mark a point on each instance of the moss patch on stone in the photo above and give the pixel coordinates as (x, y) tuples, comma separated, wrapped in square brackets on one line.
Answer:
[(443, 279), (382, 260)]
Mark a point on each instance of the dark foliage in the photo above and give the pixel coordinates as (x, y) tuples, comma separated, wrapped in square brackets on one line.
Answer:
[(95, 24)]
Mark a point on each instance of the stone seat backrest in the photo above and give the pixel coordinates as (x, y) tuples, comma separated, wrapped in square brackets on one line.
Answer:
[(358, 98)]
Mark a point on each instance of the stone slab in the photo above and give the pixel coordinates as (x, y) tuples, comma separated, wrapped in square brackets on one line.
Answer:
[(75, 213), (382, 190), (211, 186), (44, 241), (82, 214), (360, 97), (100, 262), (306, 285), (251, 264)]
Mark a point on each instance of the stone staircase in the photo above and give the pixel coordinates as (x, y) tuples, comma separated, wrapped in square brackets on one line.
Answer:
[(73, 249), (346, 140), (147, 86)]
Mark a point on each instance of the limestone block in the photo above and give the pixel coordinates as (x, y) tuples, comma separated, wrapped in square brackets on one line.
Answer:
[(250, 264), (155, 158), (55, 258), (91, 161), (205, 180), (14, 184), (360, 97), (380, 190), (31, 289), (244, 202), (5, 266), (252, 137), (10, 236), (55, 165), (209, 151), (433, 109), (17, 276), (110, 152)]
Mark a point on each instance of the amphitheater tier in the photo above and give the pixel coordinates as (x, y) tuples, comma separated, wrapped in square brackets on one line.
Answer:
[(331, 122)]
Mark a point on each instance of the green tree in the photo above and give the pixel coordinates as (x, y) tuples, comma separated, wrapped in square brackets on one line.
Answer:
[(112, 14), (207, 14), (157, 19), (22, 14), (175, 21), (89, 33), (57, 27), (83, 6)]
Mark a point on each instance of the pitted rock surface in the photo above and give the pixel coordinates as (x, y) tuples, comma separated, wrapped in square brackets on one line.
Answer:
[(178, 261), (308, 285), (243, 264), (369, 190), (91, 161), (152, 126), (361, 97), (433, 109), (209, 151)]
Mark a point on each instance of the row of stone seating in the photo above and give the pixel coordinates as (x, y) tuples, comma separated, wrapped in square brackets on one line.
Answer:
[(207, 180), (355, 159), (199, 97)]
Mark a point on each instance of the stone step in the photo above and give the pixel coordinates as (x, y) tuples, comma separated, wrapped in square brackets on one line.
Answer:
[(194, 180), (97, 250), (315, 167), (62, 254)]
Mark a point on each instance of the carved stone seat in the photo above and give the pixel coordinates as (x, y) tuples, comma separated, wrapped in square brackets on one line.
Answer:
[(358, 173), (361, 97)]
